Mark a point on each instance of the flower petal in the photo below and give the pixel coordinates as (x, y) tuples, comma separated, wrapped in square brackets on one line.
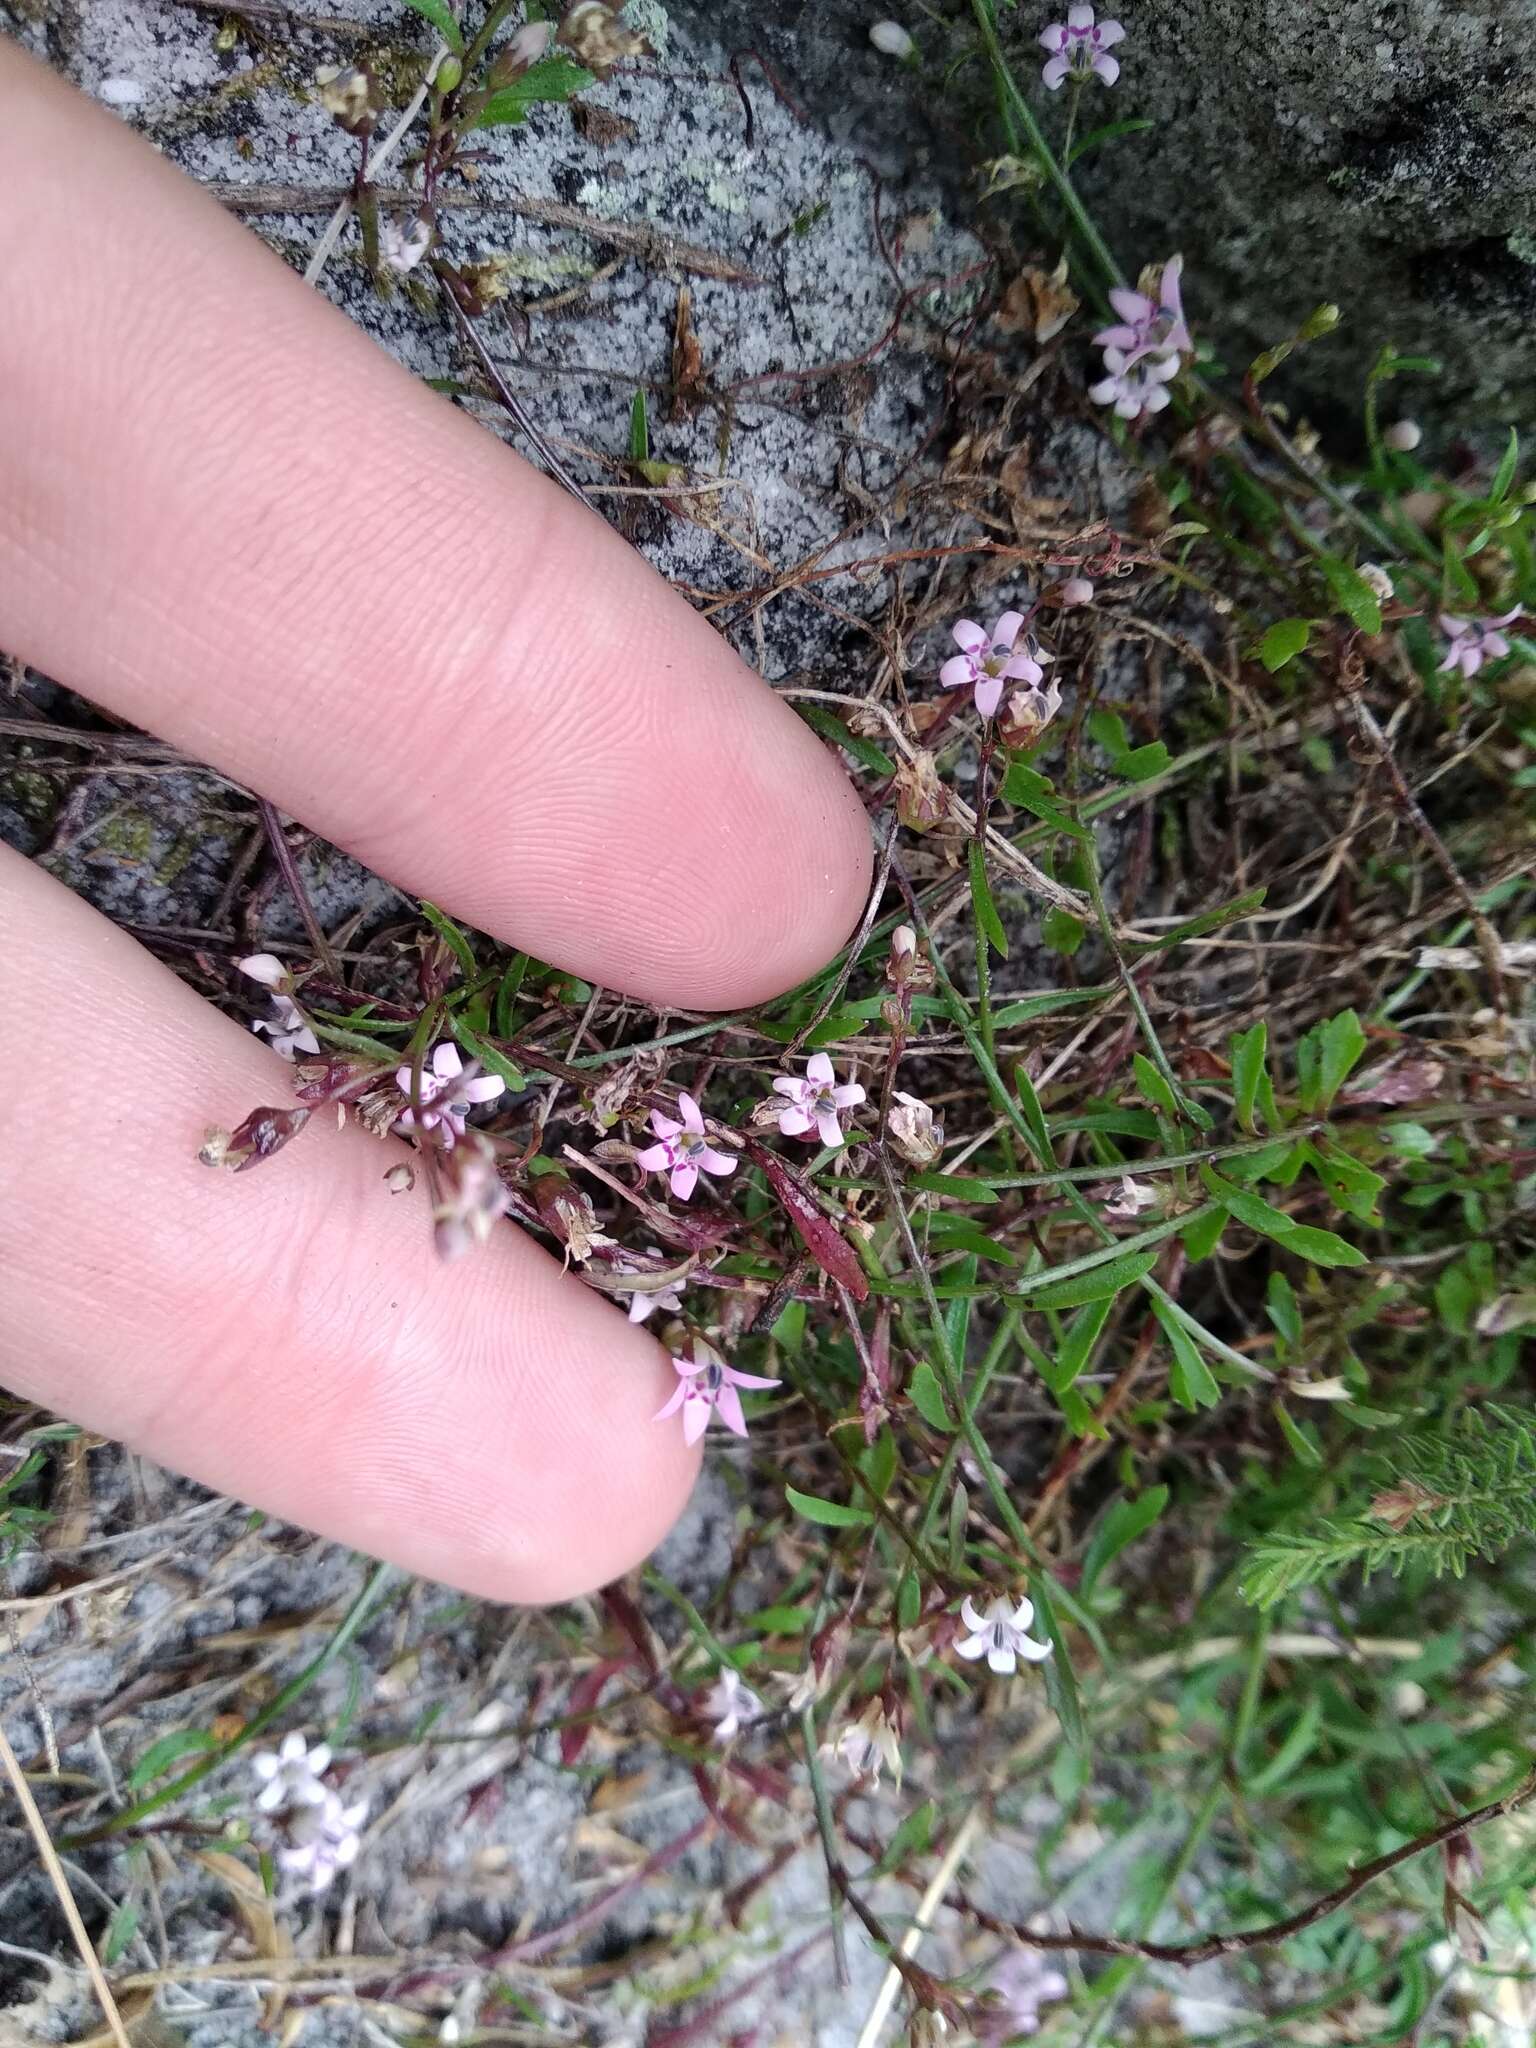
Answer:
[(263, 967), (829, 1130), (692, 1118), (1135, 307), (446, 1063), (1002, 1660), (1053, 72), (789, 1084), (748, 1379), (1006, 631), (728, 1408), (685, 1179), (794, 1123), (485, 1088), (695, 1420), (818, 1068), (989, 690), (1053, 38), (1107, 68), (717, 1163), (974, 1645), (972, 1616), (1110, 33), (1116, 337), (957, 672), (654, 1159), (1035, 1652), (968, 636), (664, 1126), (1023, 668), (642, 1305), (1080, 15), (849, 1094)]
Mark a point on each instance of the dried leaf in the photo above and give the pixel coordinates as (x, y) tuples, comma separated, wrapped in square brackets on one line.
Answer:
[(819, 1234), (1038, 302)]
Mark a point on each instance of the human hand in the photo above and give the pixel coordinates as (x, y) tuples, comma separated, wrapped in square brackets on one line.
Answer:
[(228, 517)]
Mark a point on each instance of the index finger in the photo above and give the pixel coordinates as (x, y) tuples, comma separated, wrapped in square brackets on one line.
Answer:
[(230, 518)]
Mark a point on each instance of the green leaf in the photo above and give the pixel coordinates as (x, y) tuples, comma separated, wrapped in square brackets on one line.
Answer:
[(1248, 1071), (437, 13), (1504, 475), (170, 1749), (831, 1514), (1190, 1380), (1325, 1058), (455, 940), (1061, 931), (552, 78), (1201, 1237), (987, 918), (1353, 594), (1060, 1683), (958, 1185), (1077, 1346), (1322, 1247), (1285, 639), (1197, 927), (1355, 1186), (121, 1929), (1307, 1452), (953, 1233), (1097, 137), (1125, 1522), (494, 1062), (1281, 1308), (864, 751), (1028, 1008), (1035, 793), (1034, 1117), (639, 430), (1097, 1283), (910, 1839), (506, 994), (927, 1397), (1154, 1086), (1299, 1743), (957, 1317)]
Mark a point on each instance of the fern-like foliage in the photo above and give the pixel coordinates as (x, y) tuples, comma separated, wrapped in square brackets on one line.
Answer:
[(1444, 1496)]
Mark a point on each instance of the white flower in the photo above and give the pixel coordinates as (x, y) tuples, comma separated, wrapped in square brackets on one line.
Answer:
[(816, 1101), (1403, 436), (322, 1840), (287, 1027), (290, 1775), (1134, 1196), (401, 249), (999, 1634), (867, 1743), (732, 1705), (642, 1306), (891, 39)]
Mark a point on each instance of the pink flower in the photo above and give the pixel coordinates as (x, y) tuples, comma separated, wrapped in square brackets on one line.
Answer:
[(1148, 328), (684, 1151), (989, 661), (1078, 46), (445, 1098), (998, 1633), (731, 1704), (816, 1099), (1471, 642), (1022, 1981), (706, 1385)]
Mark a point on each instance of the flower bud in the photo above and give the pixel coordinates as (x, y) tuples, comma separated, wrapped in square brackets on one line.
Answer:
[(351, 97), (914, 1131), (523, 49), (1403, 436), (920, 802), (449, 75), (891, 39), (1026, 713), (1077, 590)]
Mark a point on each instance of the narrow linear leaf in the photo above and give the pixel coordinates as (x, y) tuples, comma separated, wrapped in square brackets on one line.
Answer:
[(981, 899), (927, 1397), (1097, 1284), (831, 1514), (1124, 1524), (491, 1060), (958, 1185), (456, 940), (1190, 1380), (864, 751)]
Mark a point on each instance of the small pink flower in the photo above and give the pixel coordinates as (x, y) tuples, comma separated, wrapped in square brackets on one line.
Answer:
[(706, 1386), (1471, 642), (1148, 327), (684, 1150), (732, 1705), (446, 1099), (816, 1100), (988, 662), (1079, 46)]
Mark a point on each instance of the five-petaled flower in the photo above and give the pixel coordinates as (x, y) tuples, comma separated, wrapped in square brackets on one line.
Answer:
[(1142, 348), (683, 1151), (322, 1840), (1080, 46), (816, 1101), (1021, 1981), (731, 1704), (290, 1775), (444, 1097), (288, 1028), (999, 1633), (1471, 642), (707, 1386), (988, 662)]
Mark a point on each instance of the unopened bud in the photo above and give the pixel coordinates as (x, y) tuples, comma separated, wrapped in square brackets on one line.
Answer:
[(449, 75), (891, 39), (1376, 580), (529, 44), (1403, 436), (1077, 590)]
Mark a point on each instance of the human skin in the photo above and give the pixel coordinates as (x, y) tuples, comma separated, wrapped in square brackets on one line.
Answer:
[(230, 519)]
